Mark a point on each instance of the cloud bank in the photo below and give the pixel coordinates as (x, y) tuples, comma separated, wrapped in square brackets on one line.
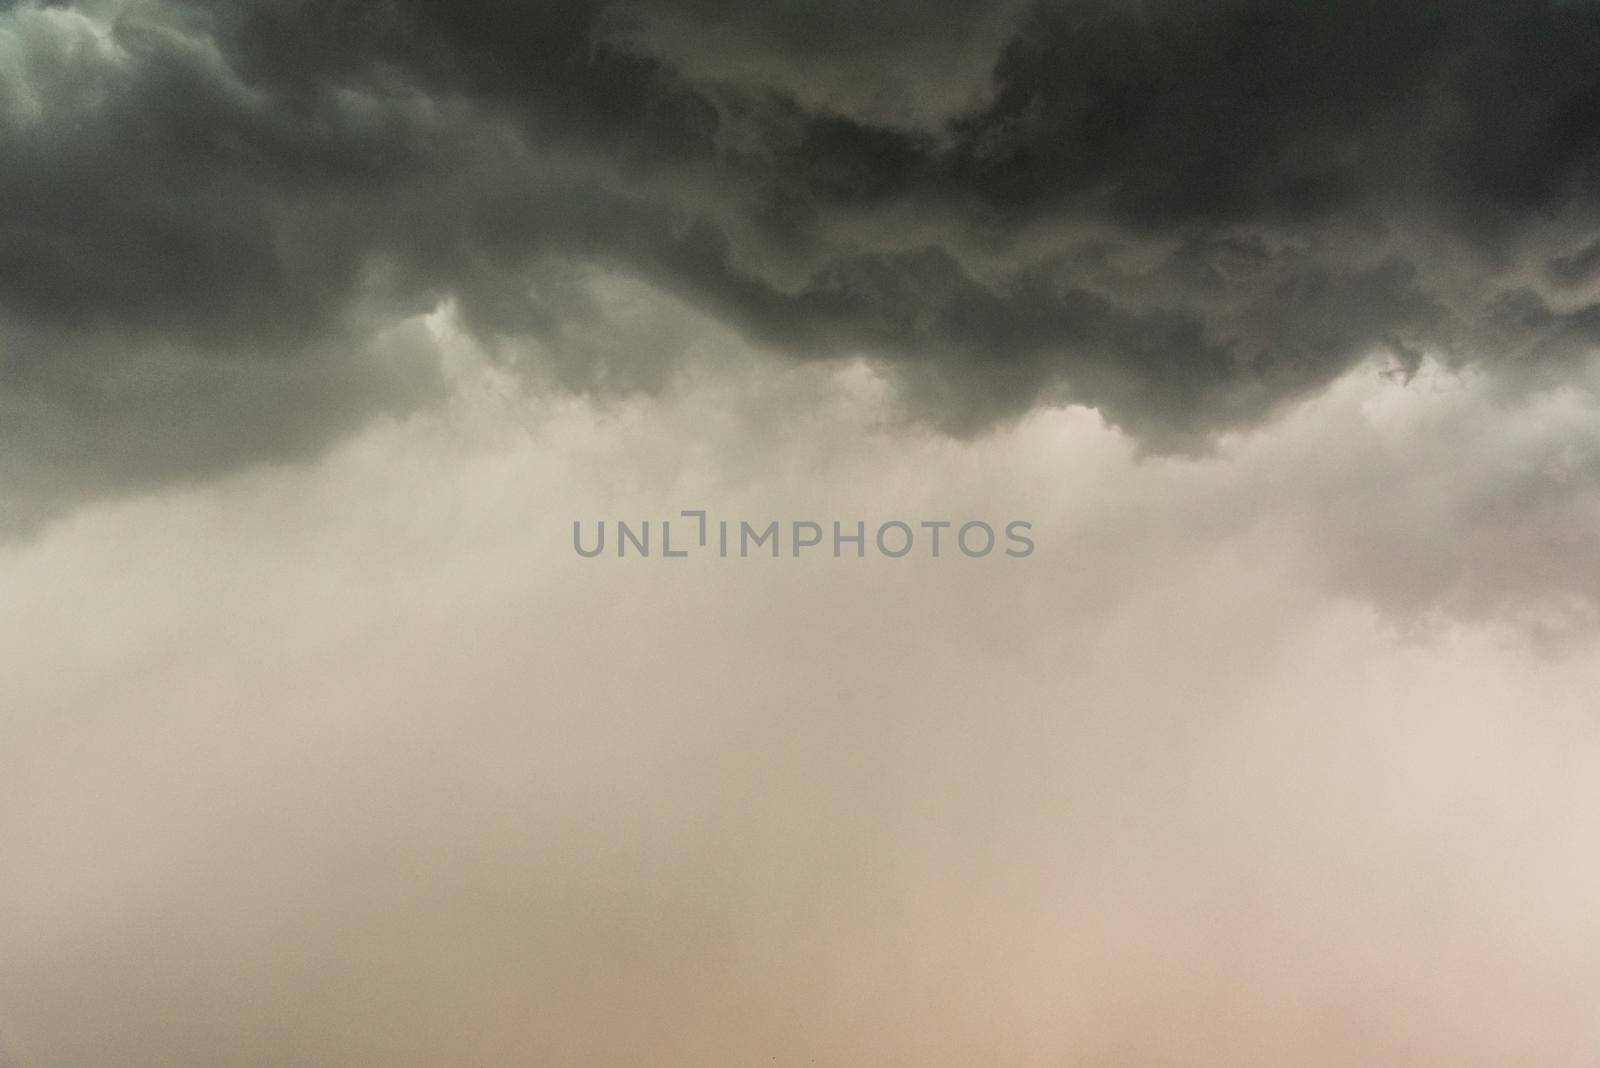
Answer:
[(321, 322), (1182, 213)]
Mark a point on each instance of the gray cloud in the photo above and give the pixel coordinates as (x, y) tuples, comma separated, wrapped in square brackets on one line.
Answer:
[(1183, 213), (318, 745)]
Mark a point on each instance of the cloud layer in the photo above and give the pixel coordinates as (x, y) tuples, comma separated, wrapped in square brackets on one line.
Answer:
[(1182, 213), (320, 323), (355, 762)]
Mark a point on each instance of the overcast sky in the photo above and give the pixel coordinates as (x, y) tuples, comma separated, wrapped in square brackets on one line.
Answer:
[(321, 324)]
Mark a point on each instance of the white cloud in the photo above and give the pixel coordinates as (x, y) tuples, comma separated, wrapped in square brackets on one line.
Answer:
[(356, 762)]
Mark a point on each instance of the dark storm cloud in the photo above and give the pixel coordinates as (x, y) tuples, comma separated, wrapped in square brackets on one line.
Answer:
[(1183, 212), (1578, 267)]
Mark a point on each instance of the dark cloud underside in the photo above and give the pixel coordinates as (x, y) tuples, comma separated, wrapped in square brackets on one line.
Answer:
[(1182, 212)]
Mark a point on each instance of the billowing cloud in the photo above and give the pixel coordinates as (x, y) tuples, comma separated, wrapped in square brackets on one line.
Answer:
[(322, 321), (1182, 213)]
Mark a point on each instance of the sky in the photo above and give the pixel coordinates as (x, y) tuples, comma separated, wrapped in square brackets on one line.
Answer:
[(323, 324)]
